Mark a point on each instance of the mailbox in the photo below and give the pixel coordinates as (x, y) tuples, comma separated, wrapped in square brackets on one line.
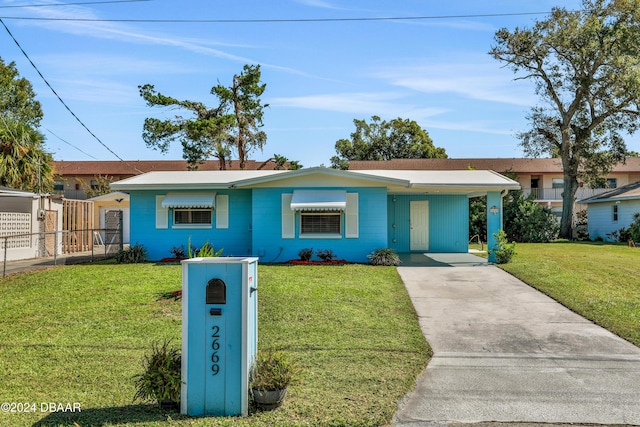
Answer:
[(219, 334)]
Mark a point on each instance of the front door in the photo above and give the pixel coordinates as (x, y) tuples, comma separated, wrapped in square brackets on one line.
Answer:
[(419, 223)]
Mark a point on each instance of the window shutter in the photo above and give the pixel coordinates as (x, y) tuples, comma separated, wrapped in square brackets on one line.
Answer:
[(222, 211), (162, 214), (288, 218), (351, 216)]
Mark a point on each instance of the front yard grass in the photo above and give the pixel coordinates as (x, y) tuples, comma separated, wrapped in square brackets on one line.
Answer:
[(79, 333), (596, 280)]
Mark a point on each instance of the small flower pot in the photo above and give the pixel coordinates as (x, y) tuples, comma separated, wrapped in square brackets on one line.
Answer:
[(268, 399)]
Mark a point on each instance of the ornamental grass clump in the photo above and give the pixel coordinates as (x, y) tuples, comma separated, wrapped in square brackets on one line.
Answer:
[(272, 370), (161, 380), (133, 255), (205, 251), (384, 256)]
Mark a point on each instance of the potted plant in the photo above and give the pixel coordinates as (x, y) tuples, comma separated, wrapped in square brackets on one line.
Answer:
[(161, 380), (271, 373)]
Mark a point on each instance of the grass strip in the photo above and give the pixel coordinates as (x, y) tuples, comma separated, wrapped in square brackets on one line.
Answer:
[(596, 280)]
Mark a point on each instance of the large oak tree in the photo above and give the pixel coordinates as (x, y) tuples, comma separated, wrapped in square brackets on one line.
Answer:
[(385, 140), (585, 65)]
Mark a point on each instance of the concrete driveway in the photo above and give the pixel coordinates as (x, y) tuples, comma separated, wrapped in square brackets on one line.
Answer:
[(505, 352)]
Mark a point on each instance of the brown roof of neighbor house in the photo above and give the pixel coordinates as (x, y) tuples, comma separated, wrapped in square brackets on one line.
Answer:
[(519, 165), (135, 167)]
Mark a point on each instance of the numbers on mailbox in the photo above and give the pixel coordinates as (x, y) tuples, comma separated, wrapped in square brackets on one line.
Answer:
[(215, 346)]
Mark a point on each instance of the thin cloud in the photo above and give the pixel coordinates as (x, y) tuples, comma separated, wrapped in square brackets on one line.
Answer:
[(318, 3), (106, 65), (124, 33), (95, 91), (481, 81), (478, 126), (357, 103)]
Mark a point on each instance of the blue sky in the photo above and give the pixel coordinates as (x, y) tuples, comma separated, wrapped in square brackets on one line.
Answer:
[(319, 75)]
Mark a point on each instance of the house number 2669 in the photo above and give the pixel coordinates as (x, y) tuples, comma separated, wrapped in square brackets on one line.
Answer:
[(215, 346)]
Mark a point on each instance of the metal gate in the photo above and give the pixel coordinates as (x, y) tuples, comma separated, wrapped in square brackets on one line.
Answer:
[(113, 234)]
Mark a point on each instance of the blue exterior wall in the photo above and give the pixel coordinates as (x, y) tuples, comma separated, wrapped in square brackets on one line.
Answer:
[(601, 221), (255, 226), (269, 245), (448, 222), (236, 240), (494, 221)]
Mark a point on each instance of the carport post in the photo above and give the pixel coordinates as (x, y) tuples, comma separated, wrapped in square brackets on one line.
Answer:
[(494, 220)]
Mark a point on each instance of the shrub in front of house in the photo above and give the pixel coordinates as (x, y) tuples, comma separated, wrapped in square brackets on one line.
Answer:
[(527, 221), (178, 252), (634, 228), (384, 256), (326, 255), (207, 250), (503, 250), (305, 254), (135, 254), (621, 235)]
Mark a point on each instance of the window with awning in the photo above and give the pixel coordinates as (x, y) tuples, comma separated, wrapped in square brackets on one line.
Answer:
[(192, 210), (319, 200), (189, 201), (321, 213)]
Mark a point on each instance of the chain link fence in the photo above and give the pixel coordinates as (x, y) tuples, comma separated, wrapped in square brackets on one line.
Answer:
[(90, 242)]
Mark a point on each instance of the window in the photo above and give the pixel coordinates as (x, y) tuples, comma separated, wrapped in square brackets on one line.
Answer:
[(94, 184), (192, 216), (58, 185), (614, 213), (610, 183), (323, 223), (557, 183)]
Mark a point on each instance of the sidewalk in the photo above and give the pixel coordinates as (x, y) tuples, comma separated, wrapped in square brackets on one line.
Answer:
[(33, 264)]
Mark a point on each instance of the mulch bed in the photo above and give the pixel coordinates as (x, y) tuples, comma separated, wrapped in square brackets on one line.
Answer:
[(171, 259), (332, 262)]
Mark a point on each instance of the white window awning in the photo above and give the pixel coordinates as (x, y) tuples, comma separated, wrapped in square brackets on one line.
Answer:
[(319, 200), (190, 201)]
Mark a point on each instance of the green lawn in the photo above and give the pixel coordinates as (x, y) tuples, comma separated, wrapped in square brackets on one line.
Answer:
[(599, 281), (79, 333)]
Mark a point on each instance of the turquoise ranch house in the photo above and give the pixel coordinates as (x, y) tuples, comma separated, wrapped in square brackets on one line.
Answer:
[(274, 214)]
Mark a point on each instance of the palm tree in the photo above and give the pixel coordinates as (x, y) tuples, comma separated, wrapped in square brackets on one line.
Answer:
[(24, 164)]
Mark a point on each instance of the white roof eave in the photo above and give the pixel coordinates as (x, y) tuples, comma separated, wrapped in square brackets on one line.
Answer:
[(320, 170)]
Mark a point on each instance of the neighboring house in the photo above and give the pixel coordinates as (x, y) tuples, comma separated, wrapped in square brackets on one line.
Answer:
[(612, 210), (72, 177), (24, 215), (104, 208), (275, 214), (542, 177)]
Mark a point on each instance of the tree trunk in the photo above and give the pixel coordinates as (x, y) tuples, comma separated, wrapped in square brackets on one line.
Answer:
[(570, 177), (568, 199)]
